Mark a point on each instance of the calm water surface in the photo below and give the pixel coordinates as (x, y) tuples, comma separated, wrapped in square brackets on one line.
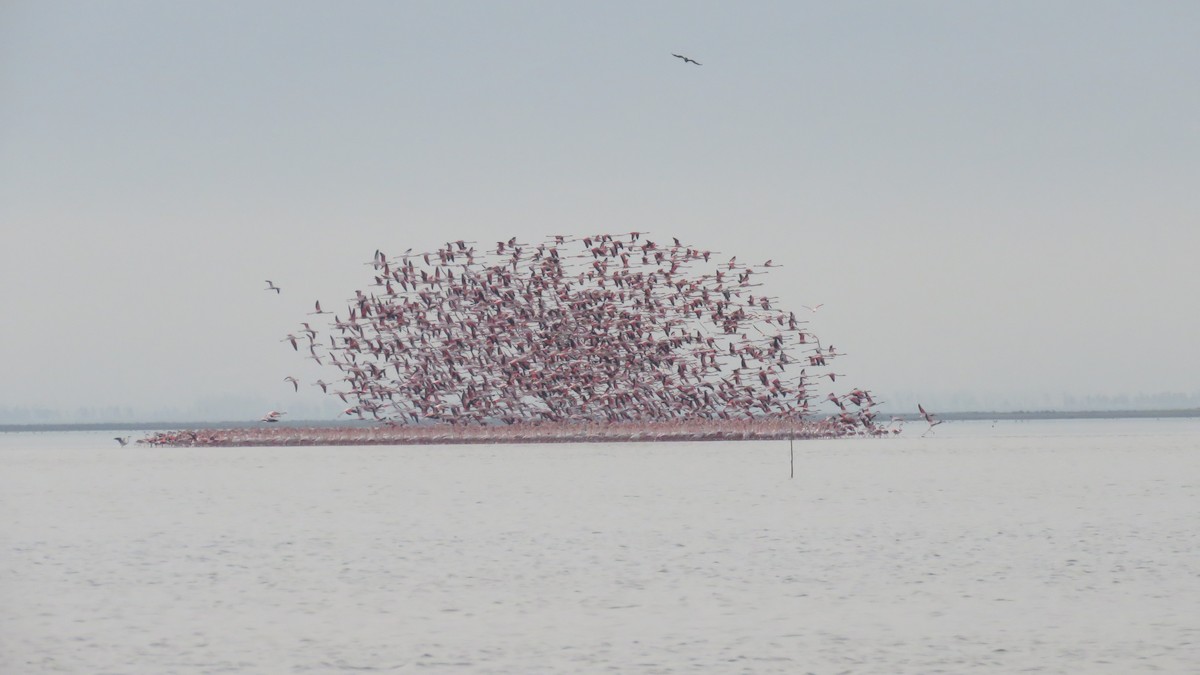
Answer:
[(1047, 546)]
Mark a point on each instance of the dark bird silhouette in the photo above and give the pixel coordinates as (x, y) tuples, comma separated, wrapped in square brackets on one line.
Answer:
[(271, 287), (123, 440), (686, 59)]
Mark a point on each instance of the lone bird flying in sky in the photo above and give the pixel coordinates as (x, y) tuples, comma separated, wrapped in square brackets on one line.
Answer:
[(123, 440), (686, 59), (271, 287)]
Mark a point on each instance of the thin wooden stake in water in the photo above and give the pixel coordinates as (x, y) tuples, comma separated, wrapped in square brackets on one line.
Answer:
[(792, 456)]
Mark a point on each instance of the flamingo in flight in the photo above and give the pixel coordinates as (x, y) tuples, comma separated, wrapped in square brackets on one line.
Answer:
[(466, 339), (928, 417), (271, 287), (123, 440), (686, 59)]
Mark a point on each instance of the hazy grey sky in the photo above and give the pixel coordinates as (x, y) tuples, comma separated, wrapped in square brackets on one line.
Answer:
[(995, 199)]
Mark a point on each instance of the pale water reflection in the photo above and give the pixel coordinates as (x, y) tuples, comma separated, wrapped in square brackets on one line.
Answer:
[(1048, 546)]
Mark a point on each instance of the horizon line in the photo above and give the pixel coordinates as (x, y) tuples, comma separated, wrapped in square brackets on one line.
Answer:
[(964, 416)]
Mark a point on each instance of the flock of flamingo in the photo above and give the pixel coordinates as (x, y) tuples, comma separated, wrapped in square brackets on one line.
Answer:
[(603, 337)]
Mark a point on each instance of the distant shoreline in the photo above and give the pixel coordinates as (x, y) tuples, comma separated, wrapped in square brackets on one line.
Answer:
[(1067, 414), (1018, 415)]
